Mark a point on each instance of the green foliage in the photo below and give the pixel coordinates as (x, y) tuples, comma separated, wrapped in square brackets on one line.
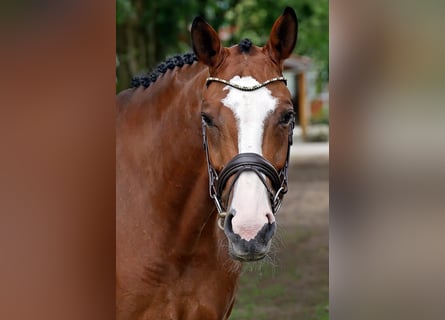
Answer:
[(148, 31), (124, 11), (254, 19)]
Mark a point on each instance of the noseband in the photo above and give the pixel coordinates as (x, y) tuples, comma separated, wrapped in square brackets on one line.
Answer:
[(247, 162)]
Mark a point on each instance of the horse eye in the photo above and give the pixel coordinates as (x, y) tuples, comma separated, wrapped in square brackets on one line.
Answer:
[(207, 119), (287, 117)]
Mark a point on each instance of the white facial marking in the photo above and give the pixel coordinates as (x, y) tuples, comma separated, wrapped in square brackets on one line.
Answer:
[(250, 109), (250, 200)]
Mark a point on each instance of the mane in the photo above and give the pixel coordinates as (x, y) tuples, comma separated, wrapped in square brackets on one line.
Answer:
[(245, 45), (163, 67), (176, 61)]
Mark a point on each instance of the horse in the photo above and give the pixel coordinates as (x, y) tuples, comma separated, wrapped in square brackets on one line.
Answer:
[(202, 149)]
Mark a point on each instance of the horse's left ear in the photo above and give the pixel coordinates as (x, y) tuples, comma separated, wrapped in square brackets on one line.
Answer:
[(283, 36), (206, 43)]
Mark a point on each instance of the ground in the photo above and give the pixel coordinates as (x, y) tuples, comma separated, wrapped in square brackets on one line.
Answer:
[(293, 282)]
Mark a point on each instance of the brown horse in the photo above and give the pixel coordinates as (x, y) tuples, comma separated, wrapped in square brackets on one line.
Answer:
[(220, 119)]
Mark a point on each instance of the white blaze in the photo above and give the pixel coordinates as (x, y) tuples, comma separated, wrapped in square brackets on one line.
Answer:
[(250, 199)]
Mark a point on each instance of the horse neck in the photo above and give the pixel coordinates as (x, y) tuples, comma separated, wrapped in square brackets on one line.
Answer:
[(169, 162)]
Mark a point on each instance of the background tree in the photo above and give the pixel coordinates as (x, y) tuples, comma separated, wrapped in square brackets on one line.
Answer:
[(148, 31)]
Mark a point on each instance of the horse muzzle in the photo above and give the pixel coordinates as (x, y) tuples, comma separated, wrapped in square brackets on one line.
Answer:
[(250, 232), (249, 250)]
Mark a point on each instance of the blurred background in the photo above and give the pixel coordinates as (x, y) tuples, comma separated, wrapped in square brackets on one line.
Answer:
[(293, 281)]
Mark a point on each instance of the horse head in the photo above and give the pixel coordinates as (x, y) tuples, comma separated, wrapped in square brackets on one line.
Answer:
[(247, 118)]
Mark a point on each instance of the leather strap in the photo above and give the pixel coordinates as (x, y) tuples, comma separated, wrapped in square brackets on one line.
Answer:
[(244, 88), (248, 162)]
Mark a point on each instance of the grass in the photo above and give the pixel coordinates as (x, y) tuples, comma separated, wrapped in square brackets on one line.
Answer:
[(274, 292), (322, 312)]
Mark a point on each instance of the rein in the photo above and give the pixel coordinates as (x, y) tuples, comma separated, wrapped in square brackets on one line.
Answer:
[(247, 162)]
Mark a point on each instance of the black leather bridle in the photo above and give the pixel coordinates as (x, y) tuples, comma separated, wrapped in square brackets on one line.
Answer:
[(247, 162)]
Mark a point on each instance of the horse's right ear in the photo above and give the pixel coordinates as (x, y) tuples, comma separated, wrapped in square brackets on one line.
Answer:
[(206, 43)]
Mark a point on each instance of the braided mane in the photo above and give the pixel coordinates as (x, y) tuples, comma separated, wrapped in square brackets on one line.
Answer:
[(169, 64), (245, 45), (176, 61)]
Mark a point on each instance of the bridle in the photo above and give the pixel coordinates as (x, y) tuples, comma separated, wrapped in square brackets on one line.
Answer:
[(247, 162), (244, 88)]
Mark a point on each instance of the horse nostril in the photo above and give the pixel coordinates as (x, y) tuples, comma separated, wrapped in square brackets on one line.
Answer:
[(228, 221), (270, 217)]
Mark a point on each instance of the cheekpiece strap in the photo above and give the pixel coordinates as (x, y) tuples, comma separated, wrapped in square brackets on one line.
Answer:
[(244, 88)]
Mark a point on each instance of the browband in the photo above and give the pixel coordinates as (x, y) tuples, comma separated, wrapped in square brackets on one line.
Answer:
[(244, 88)]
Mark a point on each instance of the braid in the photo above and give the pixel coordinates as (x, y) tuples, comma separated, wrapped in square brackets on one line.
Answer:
[(163, 67)]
